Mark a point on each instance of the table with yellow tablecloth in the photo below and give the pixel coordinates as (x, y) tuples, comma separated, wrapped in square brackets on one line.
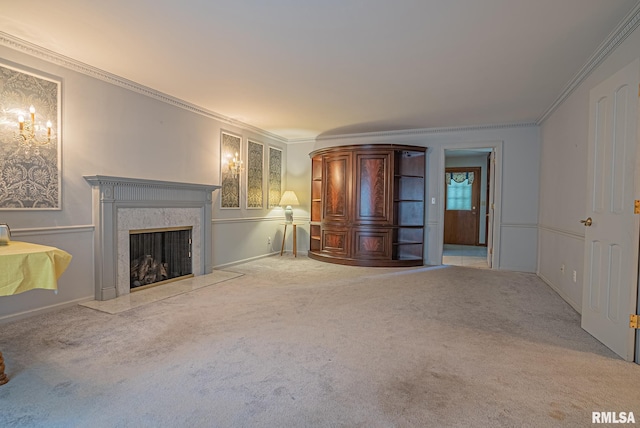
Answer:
[(25, 266)]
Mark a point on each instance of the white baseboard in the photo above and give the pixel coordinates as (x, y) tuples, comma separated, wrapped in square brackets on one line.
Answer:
[(275, 253), (43, 310), (561, 293), (237, 262)]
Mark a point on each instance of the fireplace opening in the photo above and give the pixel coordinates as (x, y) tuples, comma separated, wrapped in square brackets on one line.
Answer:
[(157, 256)]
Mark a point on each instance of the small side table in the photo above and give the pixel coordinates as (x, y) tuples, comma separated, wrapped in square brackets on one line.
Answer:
[(3, 377), (26, 266), (295, 235)]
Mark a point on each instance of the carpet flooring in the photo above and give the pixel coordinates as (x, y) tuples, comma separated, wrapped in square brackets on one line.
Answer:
[(293, 342)]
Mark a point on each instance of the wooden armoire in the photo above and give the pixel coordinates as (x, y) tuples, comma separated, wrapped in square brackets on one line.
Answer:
[(367, 205)]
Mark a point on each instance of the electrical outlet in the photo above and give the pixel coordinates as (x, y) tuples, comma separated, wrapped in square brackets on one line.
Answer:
[(562, 268), (575, 276), (268, 240)]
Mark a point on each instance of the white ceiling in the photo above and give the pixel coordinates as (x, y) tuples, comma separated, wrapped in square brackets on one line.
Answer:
[(300, 68)]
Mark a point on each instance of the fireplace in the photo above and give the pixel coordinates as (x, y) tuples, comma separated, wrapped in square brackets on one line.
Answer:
[(121, 205), (158, 256)]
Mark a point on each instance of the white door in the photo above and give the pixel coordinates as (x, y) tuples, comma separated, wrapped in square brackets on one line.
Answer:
[(611, 228), (491, 206)]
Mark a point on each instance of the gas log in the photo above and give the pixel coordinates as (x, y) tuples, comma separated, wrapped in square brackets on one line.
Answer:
[(147, 270)]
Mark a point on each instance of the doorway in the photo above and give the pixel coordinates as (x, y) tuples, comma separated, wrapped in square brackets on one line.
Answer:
[(467, 207), (462, 205)]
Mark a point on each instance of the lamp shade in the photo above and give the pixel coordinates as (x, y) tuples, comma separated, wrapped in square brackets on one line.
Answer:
[(289, 198)]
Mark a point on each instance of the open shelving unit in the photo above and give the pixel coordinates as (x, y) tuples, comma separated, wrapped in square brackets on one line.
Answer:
[(316, 203), (408, 204)]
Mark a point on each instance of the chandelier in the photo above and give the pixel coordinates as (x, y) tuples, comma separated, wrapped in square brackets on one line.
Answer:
[(233, 164), (33, 135)]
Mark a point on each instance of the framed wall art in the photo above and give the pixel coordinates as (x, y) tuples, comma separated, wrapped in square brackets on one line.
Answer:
[(255, 175), (230, 170), (30, 140), (275, 176)]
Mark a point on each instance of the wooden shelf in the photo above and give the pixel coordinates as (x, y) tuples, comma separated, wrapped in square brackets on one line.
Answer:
[(408, 176)]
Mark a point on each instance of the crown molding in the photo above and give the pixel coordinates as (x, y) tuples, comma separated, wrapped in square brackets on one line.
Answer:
[(421, 131), (615, 38), (50, 56)]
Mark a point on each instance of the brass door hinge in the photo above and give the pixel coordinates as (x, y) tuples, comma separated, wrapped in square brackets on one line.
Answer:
[(634, 321), (636, 206), (491, 250)]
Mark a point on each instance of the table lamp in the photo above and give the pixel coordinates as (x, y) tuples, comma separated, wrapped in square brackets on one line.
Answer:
[(289, 198)]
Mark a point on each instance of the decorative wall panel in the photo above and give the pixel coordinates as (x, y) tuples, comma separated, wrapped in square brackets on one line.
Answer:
[(230, 192), (30, 143), (255, 163), (275, 176)]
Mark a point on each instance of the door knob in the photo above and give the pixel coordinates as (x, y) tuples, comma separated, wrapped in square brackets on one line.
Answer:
[(587, 222)]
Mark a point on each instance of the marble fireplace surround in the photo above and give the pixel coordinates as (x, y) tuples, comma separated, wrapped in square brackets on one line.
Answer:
[(123, 204)]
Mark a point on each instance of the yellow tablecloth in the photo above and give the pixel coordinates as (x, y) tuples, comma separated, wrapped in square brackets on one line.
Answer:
[(25, 266)]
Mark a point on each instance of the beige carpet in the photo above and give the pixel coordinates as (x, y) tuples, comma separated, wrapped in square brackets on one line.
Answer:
[(294, 343)]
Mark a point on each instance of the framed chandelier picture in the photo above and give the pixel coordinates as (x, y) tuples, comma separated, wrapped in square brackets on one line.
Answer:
[(275, 176), (30, 140), (231, 170), (255, 175)]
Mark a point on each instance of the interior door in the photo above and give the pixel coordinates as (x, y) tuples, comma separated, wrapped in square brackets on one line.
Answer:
[(491, 176), (462, 205), (611, 228)]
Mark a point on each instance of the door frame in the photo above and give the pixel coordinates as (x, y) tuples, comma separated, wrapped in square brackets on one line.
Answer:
[(497, 146)]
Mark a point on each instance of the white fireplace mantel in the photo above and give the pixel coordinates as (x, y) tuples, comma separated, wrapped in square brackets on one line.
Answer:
[(111, 194)]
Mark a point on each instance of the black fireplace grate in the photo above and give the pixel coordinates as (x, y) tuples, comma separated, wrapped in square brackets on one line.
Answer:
[(159, 255)]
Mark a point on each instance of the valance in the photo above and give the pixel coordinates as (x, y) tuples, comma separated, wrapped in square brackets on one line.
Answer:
[(459, 177)]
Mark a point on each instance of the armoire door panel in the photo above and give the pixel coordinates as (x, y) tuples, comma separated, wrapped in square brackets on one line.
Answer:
[(337, 173), (372, 188)]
